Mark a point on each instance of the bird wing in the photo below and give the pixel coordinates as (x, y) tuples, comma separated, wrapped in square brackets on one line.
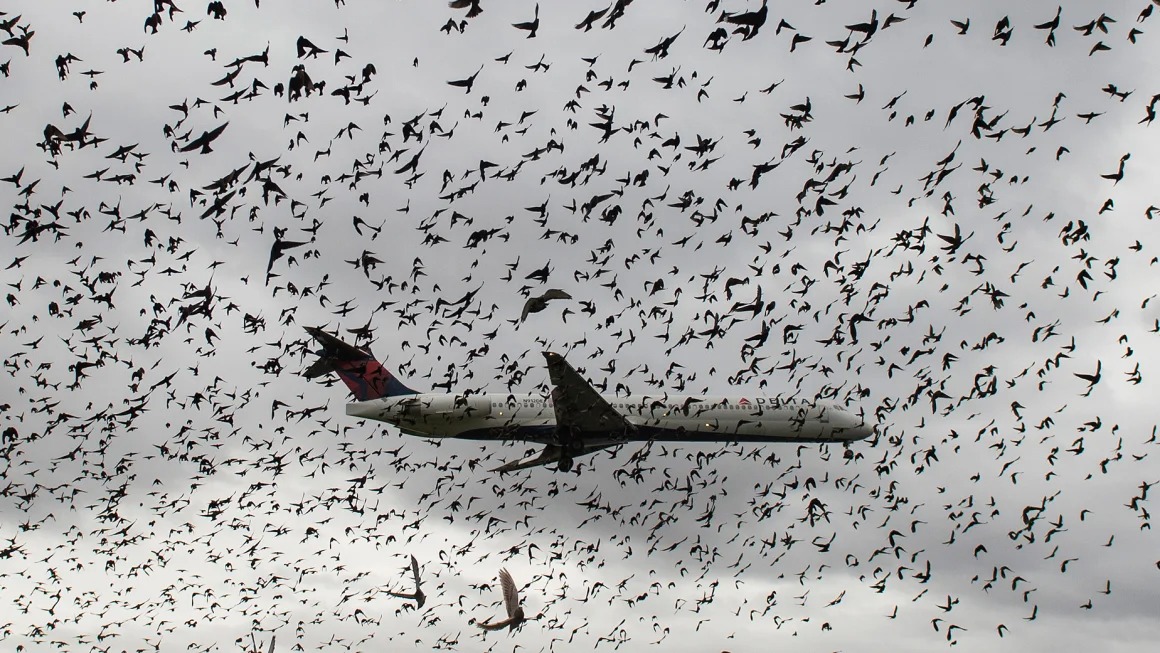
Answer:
[(217, 131), (511, 595), (415, 571), (555, 293)]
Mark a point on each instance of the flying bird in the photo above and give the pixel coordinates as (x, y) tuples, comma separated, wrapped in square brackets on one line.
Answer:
[(530, 26), (537, 304), (418, 596), (511, 602), (472, 6), (205, 139), (466, 83)]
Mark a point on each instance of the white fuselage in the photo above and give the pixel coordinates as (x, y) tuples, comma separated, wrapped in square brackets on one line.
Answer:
[(531, 417)]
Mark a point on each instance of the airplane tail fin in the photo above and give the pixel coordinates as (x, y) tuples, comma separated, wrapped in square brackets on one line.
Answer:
[(357, 367)]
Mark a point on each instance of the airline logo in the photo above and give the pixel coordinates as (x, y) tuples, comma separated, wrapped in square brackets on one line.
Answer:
[(743, 402)]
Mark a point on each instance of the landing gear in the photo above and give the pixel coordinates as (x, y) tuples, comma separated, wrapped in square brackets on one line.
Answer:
[(571, 445), (848, 453)]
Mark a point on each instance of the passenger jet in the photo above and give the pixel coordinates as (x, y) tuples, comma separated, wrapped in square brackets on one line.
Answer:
[(575, 419)]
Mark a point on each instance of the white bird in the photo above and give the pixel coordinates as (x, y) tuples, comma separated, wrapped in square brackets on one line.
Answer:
[(417, 595), (511, 601)]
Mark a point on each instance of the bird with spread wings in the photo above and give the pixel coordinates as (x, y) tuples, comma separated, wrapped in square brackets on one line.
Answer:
[(418, 596), (511, 601), (537, 304)]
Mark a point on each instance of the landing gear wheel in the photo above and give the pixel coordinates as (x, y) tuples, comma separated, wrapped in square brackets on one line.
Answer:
[(564, 464)]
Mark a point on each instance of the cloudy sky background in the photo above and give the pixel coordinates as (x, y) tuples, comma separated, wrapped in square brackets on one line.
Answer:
[(216, 507)]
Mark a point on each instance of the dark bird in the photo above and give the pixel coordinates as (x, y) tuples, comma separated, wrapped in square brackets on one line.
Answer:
[(661, 50), (278, 250), (466, 84), (750, 21), (541, 275), (308, 49), (11, 23), (21, 41), (472, 6), (537, 304), (1092, 379), (1003, 30), (205, 139), (591, 18), (1116, 176), (953, 241), (1051, 26), (531, 26), (867, 29)]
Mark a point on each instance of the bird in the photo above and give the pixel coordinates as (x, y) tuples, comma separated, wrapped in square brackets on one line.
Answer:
[(750, 21), (511, 602), (203, 141), (1092, 379), (417, 595), (537, 304), (530, 26), (307, 49), (1116, 176), (591, 19), (472, 7), (467, 83)]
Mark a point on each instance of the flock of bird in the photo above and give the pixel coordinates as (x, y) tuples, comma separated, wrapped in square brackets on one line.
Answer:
[(931, 216)]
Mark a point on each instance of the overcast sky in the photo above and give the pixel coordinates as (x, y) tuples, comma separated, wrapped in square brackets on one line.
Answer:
[(961, 182)]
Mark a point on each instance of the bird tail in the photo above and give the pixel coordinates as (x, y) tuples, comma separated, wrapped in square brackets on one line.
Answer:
[(356, 366)]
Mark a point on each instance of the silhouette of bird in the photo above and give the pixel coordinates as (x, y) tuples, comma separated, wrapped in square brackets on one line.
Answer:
[(203, 142), (466, 84), (750, 22), (306, 49), (530, 26), (537, 304), (1092, 379), (472, 6)]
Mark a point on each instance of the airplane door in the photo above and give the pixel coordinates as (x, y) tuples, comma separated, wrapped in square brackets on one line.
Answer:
[(477, 406)]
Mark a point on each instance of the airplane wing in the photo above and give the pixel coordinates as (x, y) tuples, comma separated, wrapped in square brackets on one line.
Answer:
[(550, 454), (577, 405)]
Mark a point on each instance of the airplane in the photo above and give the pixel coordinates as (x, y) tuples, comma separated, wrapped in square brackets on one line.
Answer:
[(574, 419)]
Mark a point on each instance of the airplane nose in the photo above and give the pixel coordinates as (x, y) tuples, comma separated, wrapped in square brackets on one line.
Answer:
[(854, 427), (860, 431)]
